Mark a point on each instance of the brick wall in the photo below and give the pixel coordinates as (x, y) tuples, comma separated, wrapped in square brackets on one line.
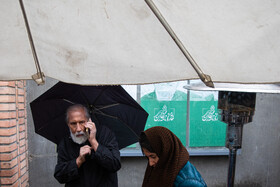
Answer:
[(13, 134)]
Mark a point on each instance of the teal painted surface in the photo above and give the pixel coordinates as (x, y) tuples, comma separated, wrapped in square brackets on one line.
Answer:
[(170, 114), (205, 128)]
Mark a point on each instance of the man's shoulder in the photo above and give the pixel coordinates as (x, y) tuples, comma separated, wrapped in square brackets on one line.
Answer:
[(64, 141)]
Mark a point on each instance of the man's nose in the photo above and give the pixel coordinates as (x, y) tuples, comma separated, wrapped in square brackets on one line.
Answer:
[(79, 127)]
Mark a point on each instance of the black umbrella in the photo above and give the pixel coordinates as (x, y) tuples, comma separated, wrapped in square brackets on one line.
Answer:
[(108, 105)]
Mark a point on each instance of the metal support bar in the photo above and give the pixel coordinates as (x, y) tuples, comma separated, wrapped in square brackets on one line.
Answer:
[(206, 79), (39, 76)]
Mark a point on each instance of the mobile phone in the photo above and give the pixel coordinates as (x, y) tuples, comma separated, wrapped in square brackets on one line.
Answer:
[(88, 130)]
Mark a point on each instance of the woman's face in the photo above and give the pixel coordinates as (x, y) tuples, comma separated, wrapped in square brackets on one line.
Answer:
[(153, 158)]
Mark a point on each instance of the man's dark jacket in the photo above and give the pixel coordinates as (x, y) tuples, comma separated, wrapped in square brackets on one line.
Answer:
[(99, 169)]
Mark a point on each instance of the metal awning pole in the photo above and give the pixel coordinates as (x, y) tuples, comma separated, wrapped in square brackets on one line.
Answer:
[(39, 76), (206, 79)]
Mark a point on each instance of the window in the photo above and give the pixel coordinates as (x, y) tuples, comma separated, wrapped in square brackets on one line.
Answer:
[(191, 115)]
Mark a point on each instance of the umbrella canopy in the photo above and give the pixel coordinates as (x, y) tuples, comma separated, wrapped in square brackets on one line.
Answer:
[(111, 106), (122, 42)]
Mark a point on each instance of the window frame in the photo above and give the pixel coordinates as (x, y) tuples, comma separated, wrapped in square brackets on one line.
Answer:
[(193, 151)]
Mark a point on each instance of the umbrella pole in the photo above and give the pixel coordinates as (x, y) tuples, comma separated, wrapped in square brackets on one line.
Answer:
[(206, 79)]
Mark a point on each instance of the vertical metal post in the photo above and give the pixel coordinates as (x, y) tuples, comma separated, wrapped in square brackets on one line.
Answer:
[(231, 168), (236, 109), (188, 116)]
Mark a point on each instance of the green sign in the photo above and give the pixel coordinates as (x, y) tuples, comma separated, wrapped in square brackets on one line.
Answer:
[(205, 128), (167, 106), (168, 113)]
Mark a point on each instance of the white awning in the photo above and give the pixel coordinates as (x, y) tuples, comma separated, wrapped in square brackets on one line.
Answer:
[(122, 42)]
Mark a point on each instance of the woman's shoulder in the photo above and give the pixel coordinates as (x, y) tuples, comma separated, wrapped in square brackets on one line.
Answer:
[(189, 176)]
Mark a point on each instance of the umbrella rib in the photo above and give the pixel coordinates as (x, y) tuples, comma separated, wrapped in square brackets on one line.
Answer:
[(96, 99), (68, 101), (121, 121), (102, 113), (108, 106), (97, 109)]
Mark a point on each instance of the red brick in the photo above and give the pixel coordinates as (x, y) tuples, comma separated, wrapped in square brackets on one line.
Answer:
[(22, 156), (11, 106), (23, 164), (9, 180), (8, 83), (8, 156), (23, 170), (9, 172), (8, 148), (7, 98), (7, 123), (16, 184), (24, 177), (22, 149), (21, 92), (7, 90), (21, 121), (9, 164), (21, 135), (21, 99), (8, 115), (21, 113), (25, 183), (8, 139), (8, 131), (20, 84), (22, 142), (21, 106), (22, 128)]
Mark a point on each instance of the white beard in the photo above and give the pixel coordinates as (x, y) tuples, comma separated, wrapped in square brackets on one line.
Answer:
[(79, 140)]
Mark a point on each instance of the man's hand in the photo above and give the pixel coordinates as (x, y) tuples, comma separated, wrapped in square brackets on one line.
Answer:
[(85, 150), (92, 135)]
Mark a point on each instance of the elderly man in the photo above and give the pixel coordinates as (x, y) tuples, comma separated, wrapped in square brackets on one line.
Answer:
[(90, 156)]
